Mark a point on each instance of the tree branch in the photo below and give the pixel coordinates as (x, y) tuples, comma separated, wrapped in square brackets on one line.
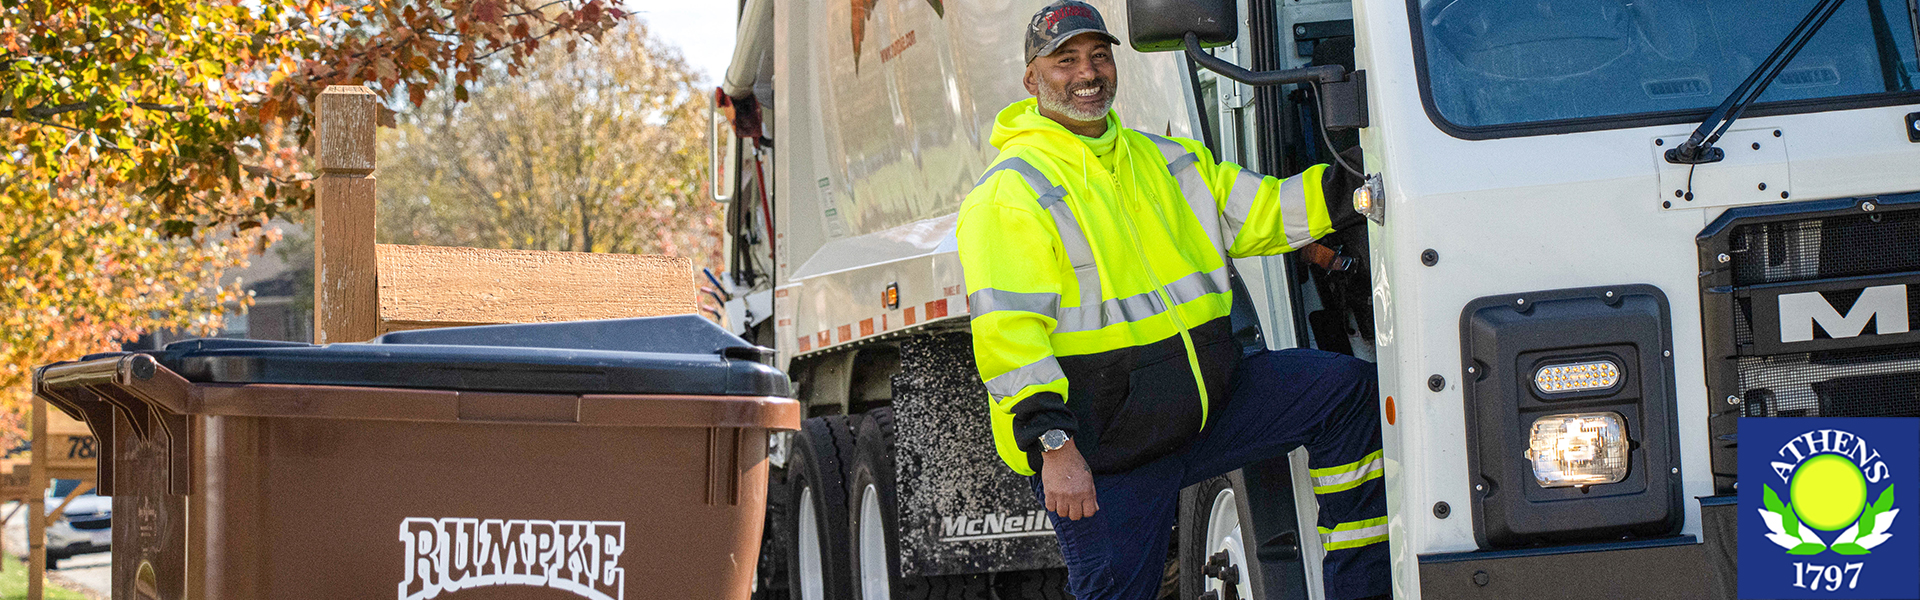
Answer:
[(46, 111), (554, 30), (535, 10)]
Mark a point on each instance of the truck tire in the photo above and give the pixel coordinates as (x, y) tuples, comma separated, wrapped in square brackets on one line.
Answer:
[(1038, 584), (815, 530), (1213, 517), (874, 526)]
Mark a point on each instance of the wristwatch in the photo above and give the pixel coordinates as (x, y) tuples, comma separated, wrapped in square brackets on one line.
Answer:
[(1053, 439)]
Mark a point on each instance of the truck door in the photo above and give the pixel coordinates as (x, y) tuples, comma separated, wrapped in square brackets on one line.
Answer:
[(1264, 517)]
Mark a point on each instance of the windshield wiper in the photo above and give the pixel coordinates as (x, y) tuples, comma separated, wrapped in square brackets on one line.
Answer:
[(1698, 149)]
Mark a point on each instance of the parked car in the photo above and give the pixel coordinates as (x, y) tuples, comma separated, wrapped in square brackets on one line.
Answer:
[(87, 528)]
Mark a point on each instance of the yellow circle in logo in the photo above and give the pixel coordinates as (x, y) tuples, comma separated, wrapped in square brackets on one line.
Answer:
[(1828, 492)]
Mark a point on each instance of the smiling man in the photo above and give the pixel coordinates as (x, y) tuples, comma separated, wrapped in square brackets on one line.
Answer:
[(1096, 268)]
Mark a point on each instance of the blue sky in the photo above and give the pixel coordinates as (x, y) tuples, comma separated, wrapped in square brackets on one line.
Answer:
[(702, 29)]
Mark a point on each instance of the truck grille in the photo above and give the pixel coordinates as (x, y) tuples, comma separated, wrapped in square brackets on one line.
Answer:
[(1863, 243), (1807, 246), (91, 523), (1872, 382)]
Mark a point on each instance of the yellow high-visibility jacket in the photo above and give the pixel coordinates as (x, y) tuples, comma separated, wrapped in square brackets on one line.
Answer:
[(1096, 274)]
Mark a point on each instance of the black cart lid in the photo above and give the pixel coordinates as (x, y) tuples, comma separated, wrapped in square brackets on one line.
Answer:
[(681, 354)]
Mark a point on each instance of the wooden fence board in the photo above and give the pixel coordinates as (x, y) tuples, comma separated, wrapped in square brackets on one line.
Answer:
[(431, 286)]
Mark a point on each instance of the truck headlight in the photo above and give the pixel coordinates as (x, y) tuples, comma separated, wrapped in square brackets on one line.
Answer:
[(1572, 423), (1578, 449)]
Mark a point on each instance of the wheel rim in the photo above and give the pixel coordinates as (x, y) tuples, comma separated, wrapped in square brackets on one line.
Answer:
[(1223, 533), (873, 548), (813, 582)]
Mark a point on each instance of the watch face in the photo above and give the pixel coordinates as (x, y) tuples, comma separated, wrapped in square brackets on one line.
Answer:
[(1053, 439)]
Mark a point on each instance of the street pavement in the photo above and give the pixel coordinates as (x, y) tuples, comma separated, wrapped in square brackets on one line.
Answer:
[(88, 573)]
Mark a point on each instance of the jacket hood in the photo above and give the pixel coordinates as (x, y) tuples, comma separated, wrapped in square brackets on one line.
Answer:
[(1021, 124)]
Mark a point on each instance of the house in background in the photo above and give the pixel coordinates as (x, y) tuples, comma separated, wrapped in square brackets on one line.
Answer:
[(282, 284)]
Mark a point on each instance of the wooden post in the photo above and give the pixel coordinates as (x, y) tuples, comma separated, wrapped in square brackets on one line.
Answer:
[(346, 306), (37, 504)]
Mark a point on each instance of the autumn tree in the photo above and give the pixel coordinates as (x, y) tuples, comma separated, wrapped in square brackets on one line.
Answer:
[(147, 141), (596, 150)]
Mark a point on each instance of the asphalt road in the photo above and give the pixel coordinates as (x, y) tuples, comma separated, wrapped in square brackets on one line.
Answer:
[(88, 573)]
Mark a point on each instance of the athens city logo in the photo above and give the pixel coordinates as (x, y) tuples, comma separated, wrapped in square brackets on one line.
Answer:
[(1823, 493), (1826, 484)]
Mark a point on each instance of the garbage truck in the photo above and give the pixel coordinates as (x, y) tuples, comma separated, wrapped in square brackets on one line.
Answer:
[(1600, 233)]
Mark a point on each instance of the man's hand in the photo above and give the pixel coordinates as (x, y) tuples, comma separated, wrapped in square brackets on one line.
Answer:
[(1068, 483)]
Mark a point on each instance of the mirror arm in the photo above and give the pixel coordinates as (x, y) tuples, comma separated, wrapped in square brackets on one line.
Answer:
[(1314, 74)]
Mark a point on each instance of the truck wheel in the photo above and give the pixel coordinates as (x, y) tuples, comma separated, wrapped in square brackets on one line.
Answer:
[(1211, 514), (815, 525), (875, 526)]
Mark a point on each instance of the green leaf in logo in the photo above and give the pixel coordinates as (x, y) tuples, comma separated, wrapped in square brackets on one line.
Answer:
[(1873, 510), (1774, 506), (1791, 520), (1807, 548), (1846, 548)]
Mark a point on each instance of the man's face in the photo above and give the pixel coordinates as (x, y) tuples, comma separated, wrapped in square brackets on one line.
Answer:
[(1076, 81)]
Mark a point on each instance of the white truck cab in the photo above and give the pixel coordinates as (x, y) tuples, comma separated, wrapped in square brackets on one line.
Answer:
[(1570, 297)]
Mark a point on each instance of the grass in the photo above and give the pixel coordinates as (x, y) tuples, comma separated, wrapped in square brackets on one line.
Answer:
[(13, 583)]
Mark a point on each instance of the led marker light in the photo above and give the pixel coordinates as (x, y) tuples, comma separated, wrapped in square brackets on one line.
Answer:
[(1578, 449), (1577, 377)]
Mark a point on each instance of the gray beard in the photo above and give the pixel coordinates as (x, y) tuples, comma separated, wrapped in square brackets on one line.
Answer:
[(1061, 101)]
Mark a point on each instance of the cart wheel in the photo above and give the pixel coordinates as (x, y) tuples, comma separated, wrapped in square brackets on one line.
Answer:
[(815, 522), (770, 572), (146, 585)]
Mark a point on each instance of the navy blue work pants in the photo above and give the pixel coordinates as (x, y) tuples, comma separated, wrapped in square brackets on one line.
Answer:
[(1280, 400)]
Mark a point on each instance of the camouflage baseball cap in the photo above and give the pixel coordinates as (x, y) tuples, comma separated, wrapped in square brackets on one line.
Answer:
[(1059, 22)]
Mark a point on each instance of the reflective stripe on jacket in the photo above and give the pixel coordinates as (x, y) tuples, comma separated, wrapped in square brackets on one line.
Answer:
[(1097, 278)]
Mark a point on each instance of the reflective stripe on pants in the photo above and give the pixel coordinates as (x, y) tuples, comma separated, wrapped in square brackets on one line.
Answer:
[(1280, 400)]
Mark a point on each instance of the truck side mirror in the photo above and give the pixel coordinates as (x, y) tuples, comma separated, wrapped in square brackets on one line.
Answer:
[(1192, 25), (1162, 25)]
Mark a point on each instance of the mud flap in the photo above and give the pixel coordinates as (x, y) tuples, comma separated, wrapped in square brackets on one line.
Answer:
[(961, 510)]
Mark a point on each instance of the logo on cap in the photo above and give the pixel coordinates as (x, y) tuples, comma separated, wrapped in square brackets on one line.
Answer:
[(1070, 10)]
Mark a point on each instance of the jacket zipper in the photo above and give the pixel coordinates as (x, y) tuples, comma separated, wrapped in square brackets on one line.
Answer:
[(1160, 289)]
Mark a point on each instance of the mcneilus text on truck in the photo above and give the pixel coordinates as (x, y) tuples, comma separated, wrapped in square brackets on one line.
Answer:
[(1641, 219)]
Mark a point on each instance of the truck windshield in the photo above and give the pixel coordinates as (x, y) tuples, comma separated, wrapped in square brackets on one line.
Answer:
[(1569, 65)]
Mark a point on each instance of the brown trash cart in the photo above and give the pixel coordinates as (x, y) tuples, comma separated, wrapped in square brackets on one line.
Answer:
[(614, 460)]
